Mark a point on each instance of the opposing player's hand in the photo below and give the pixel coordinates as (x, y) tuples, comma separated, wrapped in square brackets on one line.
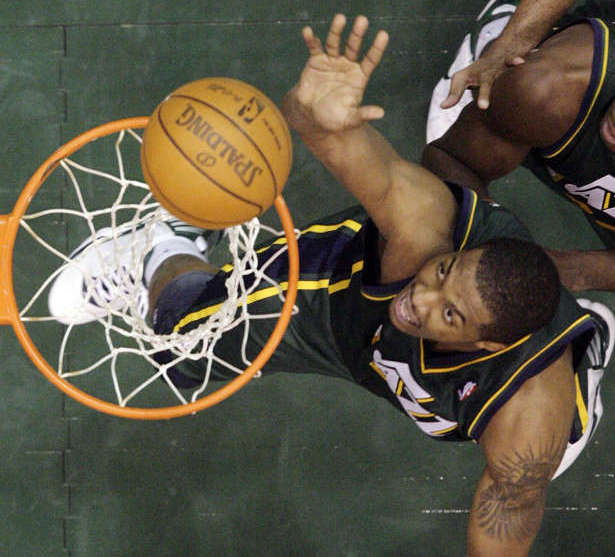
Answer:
[(481, 74), (332, 83)]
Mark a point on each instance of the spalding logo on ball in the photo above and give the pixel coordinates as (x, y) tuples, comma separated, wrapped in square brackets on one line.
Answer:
[(216, 152)]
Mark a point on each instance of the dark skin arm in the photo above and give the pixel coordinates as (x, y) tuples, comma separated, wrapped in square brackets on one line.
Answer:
[(413, 209), (533, 105), (526, 28), (523, 445)]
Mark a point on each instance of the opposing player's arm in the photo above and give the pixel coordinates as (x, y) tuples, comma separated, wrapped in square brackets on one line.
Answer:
[(523, 446), (585, 270), (527, 27), (412, 208), (532, 105), (483, 145), (474, 152)]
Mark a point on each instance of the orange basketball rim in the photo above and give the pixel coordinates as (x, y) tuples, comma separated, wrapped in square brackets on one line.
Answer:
[(9, 313)]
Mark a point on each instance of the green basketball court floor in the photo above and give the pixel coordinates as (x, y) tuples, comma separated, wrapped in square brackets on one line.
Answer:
[(290, 466)]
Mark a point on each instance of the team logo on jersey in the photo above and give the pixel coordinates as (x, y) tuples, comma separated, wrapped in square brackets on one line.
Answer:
[(411, 395), (598, 195), (467, 390)]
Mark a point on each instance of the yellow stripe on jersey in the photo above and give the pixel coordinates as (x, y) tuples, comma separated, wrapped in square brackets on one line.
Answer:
[(468, 363), (301, 285), (317, 228), (377, 369), (343, 284), (256, 296), (376, 337), (470, 220), (323, 228), (269, 292), (580, 204), (581, 408), (210, 310), (605, 57), (419, 415), (378, 298), (444, 431), (605, 225), (607, 200), (520, 369)]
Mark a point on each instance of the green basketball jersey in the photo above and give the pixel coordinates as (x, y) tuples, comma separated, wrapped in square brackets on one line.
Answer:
[(342, 327), (449, 396), (579, 166)]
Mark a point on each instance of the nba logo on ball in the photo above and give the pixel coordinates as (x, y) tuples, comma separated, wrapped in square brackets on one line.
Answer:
[(251, 110), (216, 152)]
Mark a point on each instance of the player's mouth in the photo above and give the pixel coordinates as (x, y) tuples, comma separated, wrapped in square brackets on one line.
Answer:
[(404, 308), (607, 133)]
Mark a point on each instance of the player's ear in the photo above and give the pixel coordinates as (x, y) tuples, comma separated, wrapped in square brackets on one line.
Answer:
[(490, 345)]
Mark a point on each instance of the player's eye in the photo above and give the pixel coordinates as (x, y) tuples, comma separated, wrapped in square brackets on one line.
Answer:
[(449, 316)]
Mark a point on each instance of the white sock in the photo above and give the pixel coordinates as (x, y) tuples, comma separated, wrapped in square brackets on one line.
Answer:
[(168, 248)]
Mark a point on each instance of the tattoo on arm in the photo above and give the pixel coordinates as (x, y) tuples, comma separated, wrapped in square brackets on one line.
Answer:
[(512, 506)]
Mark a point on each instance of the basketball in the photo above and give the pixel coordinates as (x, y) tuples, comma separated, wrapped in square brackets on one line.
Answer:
[(216, 152)]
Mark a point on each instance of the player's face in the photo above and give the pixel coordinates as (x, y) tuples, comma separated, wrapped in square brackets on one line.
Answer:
[(607, 128), (442, 302)]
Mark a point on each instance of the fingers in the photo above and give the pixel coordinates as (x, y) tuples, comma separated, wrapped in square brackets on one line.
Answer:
[(370, 112), (334, 36), (374, 54), (311, 41), (458, 86), (353, 45), (484, 94)]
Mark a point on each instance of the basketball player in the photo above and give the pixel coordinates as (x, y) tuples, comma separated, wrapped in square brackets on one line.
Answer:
[(555, 114), (424, 296)]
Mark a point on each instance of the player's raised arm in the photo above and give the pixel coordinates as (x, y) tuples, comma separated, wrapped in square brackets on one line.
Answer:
[(523, 444), (325, 109)]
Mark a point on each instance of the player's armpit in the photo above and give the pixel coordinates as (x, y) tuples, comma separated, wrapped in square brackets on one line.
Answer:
[(523, 445)]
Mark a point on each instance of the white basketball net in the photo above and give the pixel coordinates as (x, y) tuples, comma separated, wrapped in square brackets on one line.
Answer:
[(110, 346)]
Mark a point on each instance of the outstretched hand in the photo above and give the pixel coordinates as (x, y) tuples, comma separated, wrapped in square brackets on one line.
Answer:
[(332, 84)]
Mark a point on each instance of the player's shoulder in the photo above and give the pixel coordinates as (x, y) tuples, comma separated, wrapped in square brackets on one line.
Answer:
[(543, 405), (537, 101)]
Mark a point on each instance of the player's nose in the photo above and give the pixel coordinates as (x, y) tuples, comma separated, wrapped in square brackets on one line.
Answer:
[(425, 297)]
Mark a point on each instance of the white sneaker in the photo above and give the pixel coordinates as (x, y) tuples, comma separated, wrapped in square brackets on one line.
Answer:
[(104, 274), (490, 23), (600, 348), (599, 354)]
